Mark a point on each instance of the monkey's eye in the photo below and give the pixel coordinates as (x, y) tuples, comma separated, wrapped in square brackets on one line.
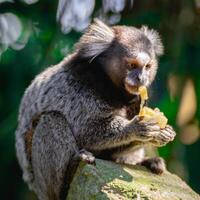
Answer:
[(131, 65), (148, 66)]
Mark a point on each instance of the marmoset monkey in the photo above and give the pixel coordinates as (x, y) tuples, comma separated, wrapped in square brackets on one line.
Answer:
[(84, 108)]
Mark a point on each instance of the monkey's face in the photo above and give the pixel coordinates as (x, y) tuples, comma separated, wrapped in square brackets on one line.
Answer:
[(128, 55), (131, 60), (139, 71)]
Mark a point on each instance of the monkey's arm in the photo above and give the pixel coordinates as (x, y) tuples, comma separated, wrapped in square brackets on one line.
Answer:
[(104, 133)]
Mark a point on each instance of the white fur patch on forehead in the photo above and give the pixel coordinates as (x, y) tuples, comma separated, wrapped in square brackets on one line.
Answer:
[(154, 38), (143, 58), (96, 40)]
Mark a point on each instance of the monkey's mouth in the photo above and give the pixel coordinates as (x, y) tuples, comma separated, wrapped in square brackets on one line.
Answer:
[(132, 89)]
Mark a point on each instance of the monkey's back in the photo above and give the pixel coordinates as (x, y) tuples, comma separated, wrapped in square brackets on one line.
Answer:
[(54, 90), (49, 91)]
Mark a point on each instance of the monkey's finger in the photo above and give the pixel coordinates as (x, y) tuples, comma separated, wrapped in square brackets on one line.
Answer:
[(171, 130), (161, 141), (153, 127), (169, 126), (147, 136), (166, 135), (152, 133)]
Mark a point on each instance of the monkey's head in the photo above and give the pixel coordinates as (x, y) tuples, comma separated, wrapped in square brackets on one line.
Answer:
[(128, 55)]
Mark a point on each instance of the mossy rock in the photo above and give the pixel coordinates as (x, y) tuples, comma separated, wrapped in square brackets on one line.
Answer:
[(108, 180)]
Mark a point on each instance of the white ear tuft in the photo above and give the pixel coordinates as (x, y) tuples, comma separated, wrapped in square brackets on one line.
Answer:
[(96, 40), (155, 39)]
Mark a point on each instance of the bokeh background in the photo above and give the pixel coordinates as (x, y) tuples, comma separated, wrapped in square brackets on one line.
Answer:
[(35, 34)]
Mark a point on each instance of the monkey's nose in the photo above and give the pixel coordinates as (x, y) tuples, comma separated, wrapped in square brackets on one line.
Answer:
[(139, 78), (143, 58)]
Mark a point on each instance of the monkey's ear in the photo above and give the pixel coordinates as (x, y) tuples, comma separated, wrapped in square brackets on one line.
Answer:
[(155, 39), (96, 40)]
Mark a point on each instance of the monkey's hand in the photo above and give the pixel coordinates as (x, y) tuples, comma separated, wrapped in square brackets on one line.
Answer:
[(144, 130), (165, 136), (86, 157)]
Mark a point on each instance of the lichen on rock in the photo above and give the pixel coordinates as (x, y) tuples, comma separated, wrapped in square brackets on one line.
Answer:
[(111, 181)]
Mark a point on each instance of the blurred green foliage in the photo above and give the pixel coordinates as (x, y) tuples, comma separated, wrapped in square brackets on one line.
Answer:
[(177, 22)]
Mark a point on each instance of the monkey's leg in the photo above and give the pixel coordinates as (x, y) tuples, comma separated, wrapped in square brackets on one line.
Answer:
[(155, 165), (136, 155), (53, 149)]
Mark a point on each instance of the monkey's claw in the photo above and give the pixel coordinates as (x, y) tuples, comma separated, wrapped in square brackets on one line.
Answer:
[(87, 157)]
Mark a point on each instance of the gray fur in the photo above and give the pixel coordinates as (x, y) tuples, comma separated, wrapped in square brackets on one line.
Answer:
[(58, 148), (97, 39), (154, 37), (66, 113)]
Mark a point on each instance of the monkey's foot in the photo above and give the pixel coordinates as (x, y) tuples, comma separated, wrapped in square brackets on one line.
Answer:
[(86, 157), (155, 165)]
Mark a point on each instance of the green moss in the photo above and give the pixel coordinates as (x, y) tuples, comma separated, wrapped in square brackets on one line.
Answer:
[(108, 180)]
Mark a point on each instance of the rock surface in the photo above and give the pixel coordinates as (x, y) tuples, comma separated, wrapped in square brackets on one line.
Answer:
[(108, 180)]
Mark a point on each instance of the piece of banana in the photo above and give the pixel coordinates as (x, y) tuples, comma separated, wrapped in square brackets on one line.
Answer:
[(148, 113), (143, 92), (157, 116)]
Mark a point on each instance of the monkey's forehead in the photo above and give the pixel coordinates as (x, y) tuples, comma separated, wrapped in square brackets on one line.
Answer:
[(132, 38), (125, 33)]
